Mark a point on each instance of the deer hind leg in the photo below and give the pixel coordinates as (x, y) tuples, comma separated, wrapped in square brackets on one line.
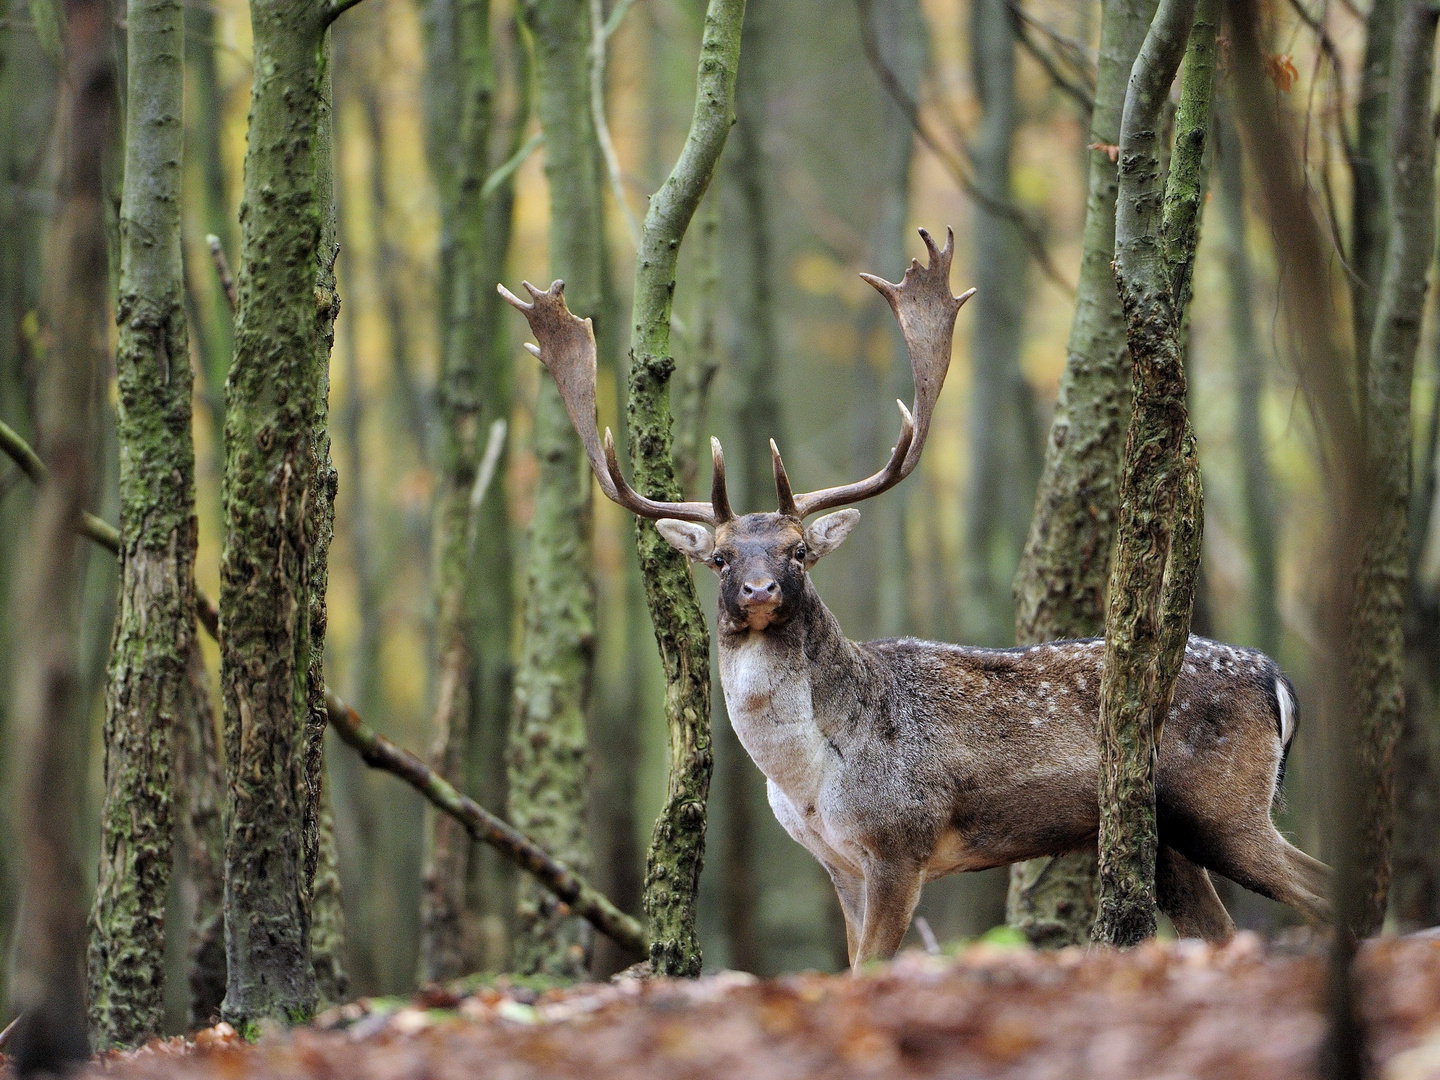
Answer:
[(891, 893), (851, 891), (1185, 892), (1265, 862)]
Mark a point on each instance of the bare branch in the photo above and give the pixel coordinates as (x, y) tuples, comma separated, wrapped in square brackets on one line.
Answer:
[(222, 271), (1083, 93), (598, 36)]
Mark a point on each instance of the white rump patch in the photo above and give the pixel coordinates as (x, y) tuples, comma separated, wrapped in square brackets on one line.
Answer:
[(1287, 712)]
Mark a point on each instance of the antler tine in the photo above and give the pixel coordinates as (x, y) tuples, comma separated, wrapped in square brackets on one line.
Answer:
[(719, 497), (926, 311), (782, 484), (567, 349)]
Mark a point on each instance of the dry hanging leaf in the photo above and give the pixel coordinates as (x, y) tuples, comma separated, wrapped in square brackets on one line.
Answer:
[(1282, 72)]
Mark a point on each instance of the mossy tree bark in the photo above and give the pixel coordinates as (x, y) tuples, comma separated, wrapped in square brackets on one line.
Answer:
[(677, 847), (155, 628), (1157, 548), (1060, 585), (1377, 628), (48, 704), (547, 745), (278, 511)]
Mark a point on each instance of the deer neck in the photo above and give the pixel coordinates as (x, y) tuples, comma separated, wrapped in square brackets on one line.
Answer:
[(779, 692)]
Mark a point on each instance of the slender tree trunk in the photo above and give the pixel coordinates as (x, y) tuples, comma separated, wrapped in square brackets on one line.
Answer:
[(1370, 192), (49, 711), (155, 631), (999, 427), (1378, 639), (677, 846), (1060, 585), (1157, 539), (277, 499), (547, 748), (1249, 391)]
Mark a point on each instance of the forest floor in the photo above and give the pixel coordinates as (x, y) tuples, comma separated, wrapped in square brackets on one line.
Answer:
[(1176, 1009)]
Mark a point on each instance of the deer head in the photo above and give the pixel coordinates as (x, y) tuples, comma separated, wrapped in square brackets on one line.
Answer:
[(760, 558)]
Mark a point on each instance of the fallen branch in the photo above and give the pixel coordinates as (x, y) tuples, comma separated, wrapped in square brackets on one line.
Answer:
[(584, 899)]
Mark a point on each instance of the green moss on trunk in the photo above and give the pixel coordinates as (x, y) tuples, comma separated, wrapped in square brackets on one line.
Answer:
[(155, 627), (277, 501), (677, 847), (1060, 585), (547, 743)]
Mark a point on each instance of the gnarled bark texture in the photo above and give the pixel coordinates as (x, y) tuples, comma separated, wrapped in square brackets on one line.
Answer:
[(155, 629), (277, 502), (1060, 585), (1137, 680), (1377, 628), (547, 746), (677, 846), (48, 710)]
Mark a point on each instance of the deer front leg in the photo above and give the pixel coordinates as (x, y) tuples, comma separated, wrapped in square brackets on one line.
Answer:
[(891, 892)]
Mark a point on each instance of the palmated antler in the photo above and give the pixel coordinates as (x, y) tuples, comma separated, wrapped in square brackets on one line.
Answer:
[(926, 310), (567, 349)]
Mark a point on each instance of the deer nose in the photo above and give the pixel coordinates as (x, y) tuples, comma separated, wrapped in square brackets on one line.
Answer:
[(760, 590)]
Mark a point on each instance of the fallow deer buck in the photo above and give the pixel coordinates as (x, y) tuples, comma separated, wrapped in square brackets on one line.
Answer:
[(899, 761)]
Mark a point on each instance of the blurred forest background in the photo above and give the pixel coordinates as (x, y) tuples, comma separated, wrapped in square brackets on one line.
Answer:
[(826, 175)]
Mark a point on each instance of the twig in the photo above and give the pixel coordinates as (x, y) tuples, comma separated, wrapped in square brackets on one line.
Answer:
[(598, 34), (952, 162), (927, 935), (222, 271), (1084, 95), (505, 170), (493, 447), (617, 16), (584, 900)]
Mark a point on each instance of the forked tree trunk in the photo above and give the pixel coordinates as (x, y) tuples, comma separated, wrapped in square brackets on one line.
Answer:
[(677, 847), (1060, 585), (278, 513), (1377, 628), (48, 709), (1145, 631), (547, 747), (155, 631)]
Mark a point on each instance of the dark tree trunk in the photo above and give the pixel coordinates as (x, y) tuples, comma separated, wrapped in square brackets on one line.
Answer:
[(48, 707), (155, 631), (1370, 193), (1060, 585)]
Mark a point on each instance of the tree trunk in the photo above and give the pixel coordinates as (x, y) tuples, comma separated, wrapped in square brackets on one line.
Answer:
[(48, 710), (1249, 392), (547, 747), (1144, 635), (199, 782), (278, 512), (1000, 424), (154, 634), (1060, 585), (1370, 191), (677, 846), (1378, 639)]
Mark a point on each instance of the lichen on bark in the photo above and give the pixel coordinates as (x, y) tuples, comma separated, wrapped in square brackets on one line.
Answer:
[(677, 846), (1060, 584)]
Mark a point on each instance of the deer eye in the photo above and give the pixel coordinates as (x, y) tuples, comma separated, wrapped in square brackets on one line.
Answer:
[(800, 552), (718, 560)]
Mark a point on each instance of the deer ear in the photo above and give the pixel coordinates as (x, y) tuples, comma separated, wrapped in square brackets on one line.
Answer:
[(827, 533), (688, 538)]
